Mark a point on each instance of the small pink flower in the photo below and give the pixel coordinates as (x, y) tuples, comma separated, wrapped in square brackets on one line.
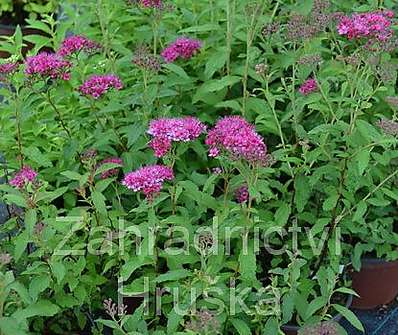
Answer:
[(7, 69), (148, 179), (98, 85), (238, 138), (242, 194), (160, 145), (47, 66), (216, 170), (111, 172), (75, 44), (308, 86), (182, 47), (23, 177), (372, 26), (151, 3), (168, 130)]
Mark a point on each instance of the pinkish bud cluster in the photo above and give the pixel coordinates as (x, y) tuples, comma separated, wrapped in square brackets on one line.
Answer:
[(111, 172), (151, 3), (7, 69), (167, 130), (48, 66), (76, 44), (237, 137), (148, 179), (242, 194), (373, 25), (23, 177), (308, 86), (98, 85), (182, 47)]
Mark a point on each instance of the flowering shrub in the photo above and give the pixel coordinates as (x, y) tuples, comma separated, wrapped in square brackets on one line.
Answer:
[(217, 184)]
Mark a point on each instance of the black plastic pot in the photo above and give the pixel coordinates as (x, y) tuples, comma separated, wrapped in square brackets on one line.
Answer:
[(294, 329), (376, 283)]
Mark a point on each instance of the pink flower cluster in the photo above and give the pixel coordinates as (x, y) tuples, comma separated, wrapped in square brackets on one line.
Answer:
[(151, 3), (98, 85), (7, 69), (242, 194), (182, 47), (23, 177), (76, 44), (48, 66), (148, 179), (111, 172), (372, 25), (308, 86), (239, 138), (167, 130)]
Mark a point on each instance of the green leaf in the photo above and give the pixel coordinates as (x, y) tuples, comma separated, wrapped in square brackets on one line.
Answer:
[(282, 214), (16, 199), (173, 321), (204, 27), (347, 290), (132, 265), (331, 201), (241, 326), (58, 270), (10, 326), (99, 202), (21, 241), (173, 275), (217, 85), (350, 316), (315, 306), (247, 263), (302, 192), (71, 175), (40, 308), (37, 285), (177, 70), (30, 221), (360, 212), (363, 161), (36, 155)]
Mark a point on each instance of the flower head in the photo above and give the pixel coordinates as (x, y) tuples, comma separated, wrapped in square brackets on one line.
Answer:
[(144, 59), (389, 127), (148, 179), (48, 66), (167, 130), (308, 86), (373, 25), (98, 85), (151, 3), (23, 177), (323, 328), (242, 194), (111, 172), (182, 47), (8, 69), (75, 44), (237, 137)]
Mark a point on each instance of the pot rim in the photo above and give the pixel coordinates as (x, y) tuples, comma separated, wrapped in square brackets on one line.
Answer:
[(337, 318)]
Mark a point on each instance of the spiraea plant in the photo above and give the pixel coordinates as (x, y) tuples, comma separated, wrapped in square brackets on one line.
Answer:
[(209, 168)]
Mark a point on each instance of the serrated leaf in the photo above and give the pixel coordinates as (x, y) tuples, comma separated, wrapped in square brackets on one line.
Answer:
[(363, 158)]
